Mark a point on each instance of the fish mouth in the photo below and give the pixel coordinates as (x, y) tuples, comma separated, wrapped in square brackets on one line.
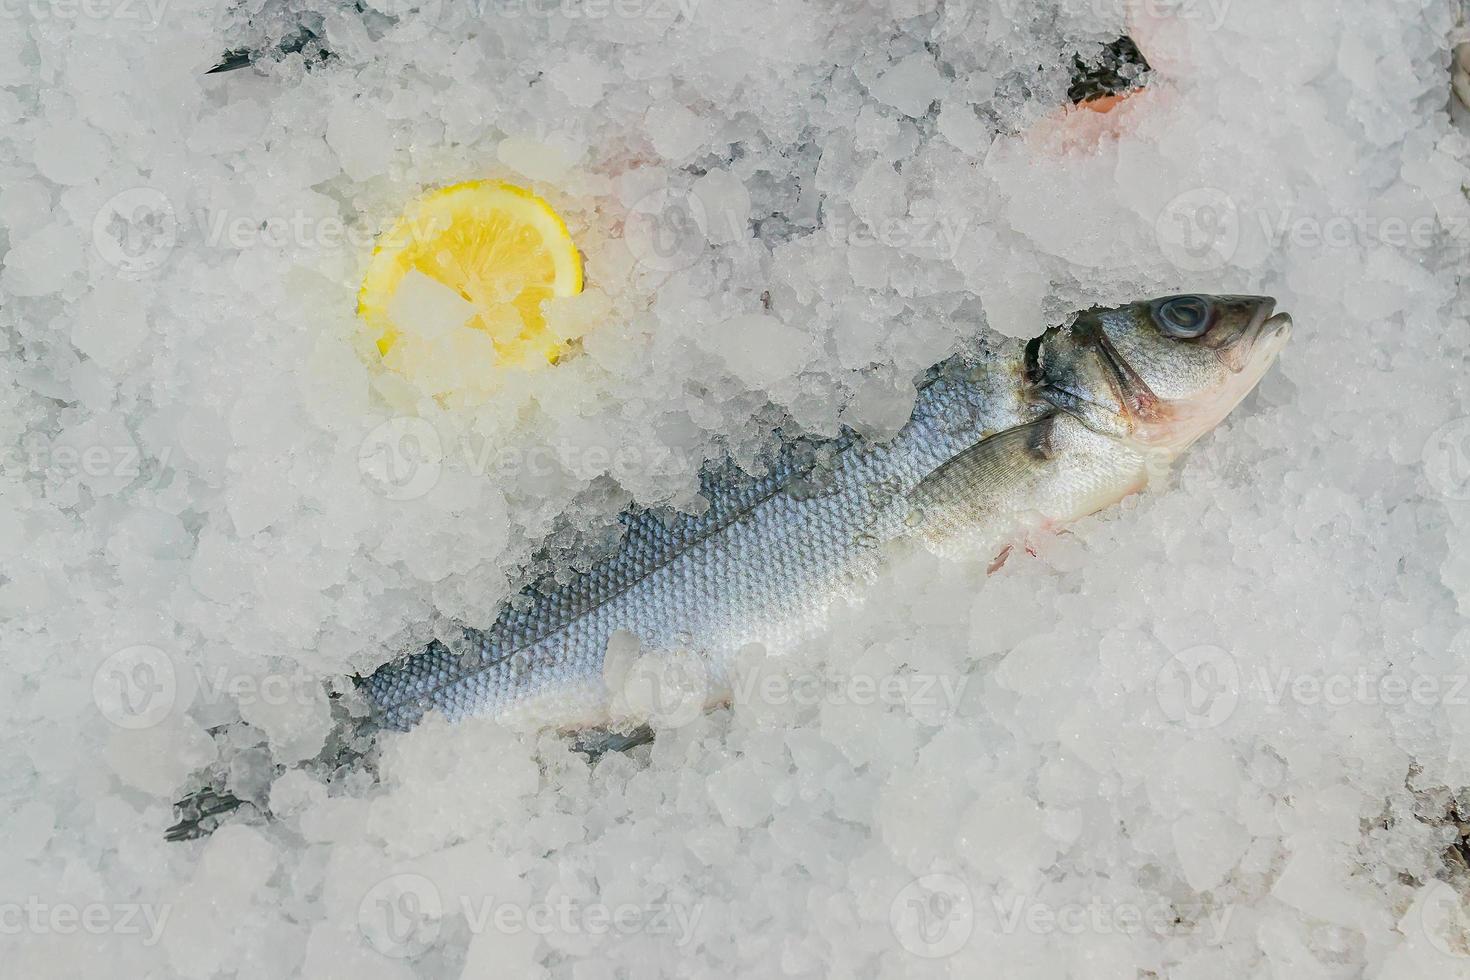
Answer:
[(1259, 341), (1267, 338), (1275, 330)]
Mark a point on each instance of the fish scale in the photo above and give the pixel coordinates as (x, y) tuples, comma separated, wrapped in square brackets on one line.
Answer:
[(762, 564)]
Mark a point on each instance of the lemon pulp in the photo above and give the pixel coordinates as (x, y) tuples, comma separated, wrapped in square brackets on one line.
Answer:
[(500, 247)]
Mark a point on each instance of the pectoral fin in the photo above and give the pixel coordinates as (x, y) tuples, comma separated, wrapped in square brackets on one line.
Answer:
[(1038, 475), (972, 494), (994, 462)]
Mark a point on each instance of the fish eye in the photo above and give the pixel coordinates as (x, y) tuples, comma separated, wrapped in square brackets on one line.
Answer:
[(1184, 317)]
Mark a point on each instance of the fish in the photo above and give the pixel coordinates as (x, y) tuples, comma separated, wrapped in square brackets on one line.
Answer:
[(999, 447), (1002, 444)]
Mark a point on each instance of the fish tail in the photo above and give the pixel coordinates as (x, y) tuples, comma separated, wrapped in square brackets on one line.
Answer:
[(350, 745)]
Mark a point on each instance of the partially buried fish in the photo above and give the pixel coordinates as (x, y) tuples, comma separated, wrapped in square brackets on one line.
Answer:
[(999, 446), (994, 450)]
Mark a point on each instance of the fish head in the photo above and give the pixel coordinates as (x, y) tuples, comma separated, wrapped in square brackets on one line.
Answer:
[(1158, 373)]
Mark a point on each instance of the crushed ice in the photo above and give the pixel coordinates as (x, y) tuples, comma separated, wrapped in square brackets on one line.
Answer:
[(1220, 731)]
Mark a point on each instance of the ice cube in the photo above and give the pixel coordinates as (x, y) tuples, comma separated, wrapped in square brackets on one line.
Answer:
[(427, 308), (910, 86), (758, 348), (68, 151)]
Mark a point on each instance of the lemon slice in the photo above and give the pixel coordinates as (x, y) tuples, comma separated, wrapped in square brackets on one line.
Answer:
[(500, 248)]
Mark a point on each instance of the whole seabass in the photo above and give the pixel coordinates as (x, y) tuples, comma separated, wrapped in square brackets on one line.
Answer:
[(997, 447)]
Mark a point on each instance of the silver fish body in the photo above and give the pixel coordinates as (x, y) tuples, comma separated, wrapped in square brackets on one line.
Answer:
[(995, 447)]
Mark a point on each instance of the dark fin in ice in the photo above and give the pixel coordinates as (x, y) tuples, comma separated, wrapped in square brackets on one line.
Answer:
[(297, 43), (598, 742), (231, 61), (1118, 69), (201, 813), (350, 748)]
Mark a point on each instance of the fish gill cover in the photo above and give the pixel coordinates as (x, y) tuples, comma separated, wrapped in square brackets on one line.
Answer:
[(1218, 731)]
